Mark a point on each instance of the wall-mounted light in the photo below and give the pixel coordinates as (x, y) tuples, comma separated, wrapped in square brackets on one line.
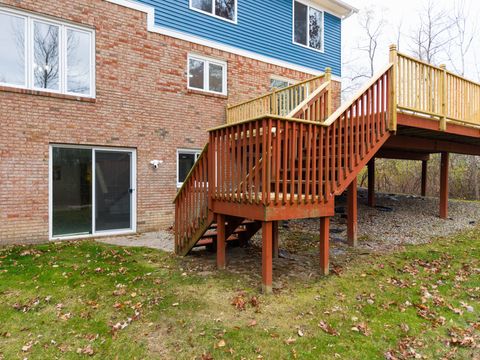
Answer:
[(156, 163)]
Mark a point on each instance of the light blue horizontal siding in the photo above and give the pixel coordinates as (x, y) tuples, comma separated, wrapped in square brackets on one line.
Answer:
[(263, 27)]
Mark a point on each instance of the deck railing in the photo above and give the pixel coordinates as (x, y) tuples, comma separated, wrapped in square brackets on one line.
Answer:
[(279, 102), (278, 161), (191, 204), (433, 91)]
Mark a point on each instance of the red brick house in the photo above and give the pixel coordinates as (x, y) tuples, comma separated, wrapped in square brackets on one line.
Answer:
[(104, 105)]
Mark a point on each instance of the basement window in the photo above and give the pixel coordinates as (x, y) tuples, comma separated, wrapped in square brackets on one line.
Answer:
[(207, 75), (46, 55), (307, 26), (186, 158), (222, 9)]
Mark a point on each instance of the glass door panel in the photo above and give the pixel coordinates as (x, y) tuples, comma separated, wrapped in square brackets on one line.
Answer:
[(113, 190), (72, 191)]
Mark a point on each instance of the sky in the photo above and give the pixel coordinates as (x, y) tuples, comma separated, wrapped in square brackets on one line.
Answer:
[(405, 12)]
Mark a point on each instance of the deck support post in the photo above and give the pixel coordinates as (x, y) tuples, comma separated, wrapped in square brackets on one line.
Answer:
[(352, 213), (266, 257), (275, 239), (424, 177), (221, 241), (444, 162), (324, 245), (371, 182)]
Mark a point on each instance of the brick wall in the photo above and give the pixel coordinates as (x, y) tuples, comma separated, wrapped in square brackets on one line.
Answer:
[(141, 102)]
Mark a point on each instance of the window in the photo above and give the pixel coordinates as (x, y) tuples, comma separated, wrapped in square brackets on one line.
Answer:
[(207, 75), (12, 56), (47, 55), (185, 161), (307, 26), (223, 9), (279, 83)]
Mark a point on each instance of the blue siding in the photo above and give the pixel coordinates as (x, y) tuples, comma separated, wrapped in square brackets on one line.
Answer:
[(263, 27)]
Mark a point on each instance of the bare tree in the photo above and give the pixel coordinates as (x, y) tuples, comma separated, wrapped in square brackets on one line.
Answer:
[(461, 37), (372, 25), (429, 38)]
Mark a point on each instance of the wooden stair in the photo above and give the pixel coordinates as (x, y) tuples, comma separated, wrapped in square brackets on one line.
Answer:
[(273, 168)]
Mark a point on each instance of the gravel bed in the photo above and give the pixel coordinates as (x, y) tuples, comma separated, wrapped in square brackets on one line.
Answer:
[(397, 220)]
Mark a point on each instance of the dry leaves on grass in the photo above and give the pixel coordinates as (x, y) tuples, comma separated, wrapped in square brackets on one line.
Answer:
[(328, 329), (240, 302), (462, 337), (362, 328), (87, 350)]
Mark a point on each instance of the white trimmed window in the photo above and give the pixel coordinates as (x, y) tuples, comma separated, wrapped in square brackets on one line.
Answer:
[(307, 25), (186, 158), (207, 75), (42, 54), (222, 9), (280, 83)]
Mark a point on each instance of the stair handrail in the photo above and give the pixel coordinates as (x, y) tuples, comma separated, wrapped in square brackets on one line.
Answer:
[(268, 104), (337, 113), (326, 86)]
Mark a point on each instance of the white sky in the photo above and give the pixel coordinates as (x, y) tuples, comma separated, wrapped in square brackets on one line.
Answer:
[(407, 13)]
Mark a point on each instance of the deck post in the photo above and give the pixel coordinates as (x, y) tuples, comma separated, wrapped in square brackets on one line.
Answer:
[(424, 177), (221, 241), (266, 257), (444, 185), (352, 214), (275, 239), (443, 98), (392, 125), (371, 182), (324, 245), (328, 77)]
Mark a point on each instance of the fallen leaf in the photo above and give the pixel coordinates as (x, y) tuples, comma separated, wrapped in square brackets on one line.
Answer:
[(327, 328)]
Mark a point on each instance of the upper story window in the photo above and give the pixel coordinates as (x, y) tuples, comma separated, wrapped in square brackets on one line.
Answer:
[(223, 9), (206, 74), (42, 54), (307, 26)]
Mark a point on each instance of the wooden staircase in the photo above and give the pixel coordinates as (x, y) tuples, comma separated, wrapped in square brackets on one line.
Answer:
[(285, 155), (273, 168)]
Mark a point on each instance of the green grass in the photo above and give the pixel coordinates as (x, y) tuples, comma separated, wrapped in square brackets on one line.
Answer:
[(63, 300)]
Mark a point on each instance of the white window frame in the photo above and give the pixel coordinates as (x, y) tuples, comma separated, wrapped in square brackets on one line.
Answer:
[(133, 199), (196, 152), (309, 5), (290, 82), (212, 13), (206, 74), (29, 53)]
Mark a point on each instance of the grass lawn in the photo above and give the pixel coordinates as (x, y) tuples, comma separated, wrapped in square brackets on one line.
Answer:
[(84, 299)]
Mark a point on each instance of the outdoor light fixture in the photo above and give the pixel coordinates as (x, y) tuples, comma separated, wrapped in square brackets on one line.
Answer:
[(156, 163)]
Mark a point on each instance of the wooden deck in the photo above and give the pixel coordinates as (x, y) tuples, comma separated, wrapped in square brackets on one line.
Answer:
[(285, 155)]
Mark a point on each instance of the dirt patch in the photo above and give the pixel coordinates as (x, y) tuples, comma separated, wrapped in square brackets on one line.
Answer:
[(397, 220)]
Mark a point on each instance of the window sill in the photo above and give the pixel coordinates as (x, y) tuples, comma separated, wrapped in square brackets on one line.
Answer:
[(12, 89), (206, 93)]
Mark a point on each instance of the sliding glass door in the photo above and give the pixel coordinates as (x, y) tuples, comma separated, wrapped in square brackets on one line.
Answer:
[(72, 191), (92, 191), (113, 190)]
